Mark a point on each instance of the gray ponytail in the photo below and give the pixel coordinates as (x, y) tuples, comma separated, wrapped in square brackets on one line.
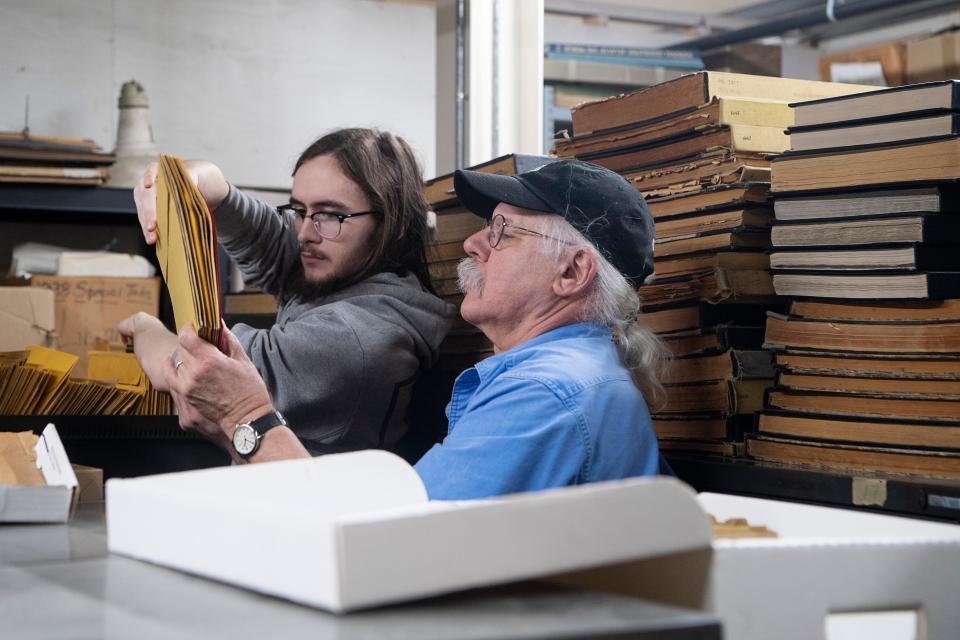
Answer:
[(614, 303)]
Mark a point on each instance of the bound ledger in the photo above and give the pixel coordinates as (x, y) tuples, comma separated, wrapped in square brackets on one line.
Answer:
[(187, 250)]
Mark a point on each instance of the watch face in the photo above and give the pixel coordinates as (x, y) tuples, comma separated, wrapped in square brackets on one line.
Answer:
[(244, 439)]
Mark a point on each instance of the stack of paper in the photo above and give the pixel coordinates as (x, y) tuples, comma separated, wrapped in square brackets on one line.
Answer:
[(37, 382), (123, 369), (187, 250)]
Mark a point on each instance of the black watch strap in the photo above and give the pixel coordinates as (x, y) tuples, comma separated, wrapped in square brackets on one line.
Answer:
[(268, 421)]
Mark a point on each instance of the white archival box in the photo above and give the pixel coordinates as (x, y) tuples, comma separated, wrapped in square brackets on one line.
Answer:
[(829, 560), (824, 560), (52, 502), (355, 530)]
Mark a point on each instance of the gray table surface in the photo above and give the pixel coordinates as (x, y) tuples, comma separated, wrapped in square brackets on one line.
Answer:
[(58, 581)]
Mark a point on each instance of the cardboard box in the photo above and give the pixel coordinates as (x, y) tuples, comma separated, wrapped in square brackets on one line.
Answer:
[(27, 317), (936, 58), (824, 561), (890, 57), (53, 498), (89, 484), (355, 530), (87, 309)]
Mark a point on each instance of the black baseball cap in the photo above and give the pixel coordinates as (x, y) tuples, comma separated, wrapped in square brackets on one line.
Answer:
[(599, 203)]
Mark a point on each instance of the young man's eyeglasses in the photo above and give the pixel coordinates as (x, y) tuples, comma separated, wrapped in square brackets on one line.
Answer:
[(497, 224), (326, 223)]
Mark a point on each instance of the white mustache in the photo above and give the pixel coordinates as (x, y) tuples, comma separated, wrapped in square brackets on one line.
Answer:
[(469, 276)]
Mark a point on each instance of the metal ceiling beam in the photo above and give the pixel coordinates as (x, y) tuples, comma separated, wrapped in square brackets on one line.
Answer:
[(808, 18), (642, 15), (916, 10)]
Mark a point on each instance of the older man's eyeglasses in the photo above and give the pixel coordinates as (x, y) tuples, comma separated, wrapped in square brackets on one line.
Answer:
[(327, 223), (497, 224)]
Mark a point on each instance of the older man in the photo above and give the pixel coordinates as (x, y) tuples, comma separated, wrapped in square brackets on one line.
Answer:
[(551, 281)]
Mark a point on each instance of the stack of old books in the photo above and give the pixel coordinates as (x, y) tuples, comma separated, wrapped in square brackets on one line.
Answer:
[(26, 158), (866, 238), (465, 344), (699, 150), (38, 381)]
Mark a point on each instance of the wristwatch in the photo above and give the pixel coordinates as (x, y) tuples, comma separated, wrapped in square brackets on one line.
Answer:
[(247, 435)]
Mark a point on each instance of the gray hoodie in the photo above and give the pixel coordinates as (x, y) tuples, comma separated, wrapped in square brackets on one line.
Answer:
[(340, 367)]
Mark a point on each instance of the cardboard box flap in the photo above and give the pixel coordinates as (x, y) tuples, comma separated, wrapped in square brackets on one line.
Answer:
[(354, 530), (27, 317)]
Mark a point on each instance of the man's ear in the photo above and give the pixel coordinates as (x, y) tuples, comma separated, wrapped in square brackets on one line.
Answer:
[(578, 268)]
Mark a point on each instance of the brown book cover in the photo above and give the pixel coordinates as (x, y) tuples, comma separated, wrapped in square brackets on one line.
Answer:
[(739, 260), (691, 428), (456, 224), (728, 449), (697, 316), (718, 112), (695, 174), (693, 90), (710, 221), (702, 427), (894, 164), (735, 139), (878, 310), (707, 199), (712, 285), (734, 239), (734, 364), (858, 430), (726, 397), (445, 251), (869, 337), (867, 386), (868, 406), (439, 191), (930, 464), (877, 366), (713, 340)]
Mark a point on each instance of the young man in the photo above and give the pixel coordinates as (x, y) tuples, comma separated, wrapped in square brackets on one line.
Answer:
[(551, 281), (357, 318)]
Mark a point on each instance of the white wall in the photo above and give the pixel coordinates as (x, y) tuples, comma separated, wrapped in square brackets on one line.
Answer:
[(244, 83)]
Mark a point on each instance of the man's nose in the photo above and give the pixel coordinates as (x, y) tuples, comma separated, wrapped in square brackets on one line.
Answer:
[(477, 245), (308, 232)]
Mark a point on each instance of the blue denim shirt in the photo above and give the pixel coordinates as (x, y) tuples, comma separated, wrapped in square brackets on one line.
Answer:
[(557, 410)]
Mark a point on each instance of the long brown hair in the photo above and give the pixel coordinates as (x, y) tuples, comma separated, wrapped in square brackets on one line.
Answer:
[(384, 167)]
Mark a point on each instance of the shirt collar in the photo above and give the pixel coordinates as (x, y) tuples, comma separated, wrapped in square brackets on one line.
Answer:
[(506, 358)]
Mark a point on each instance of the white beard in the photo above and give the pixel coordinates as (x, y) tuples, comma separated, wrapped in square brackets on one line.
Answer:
[(469, 276)]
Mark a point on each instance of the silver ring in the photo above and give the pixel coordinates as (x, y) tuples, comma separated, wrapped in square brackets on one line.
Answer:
[(176, 365)]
